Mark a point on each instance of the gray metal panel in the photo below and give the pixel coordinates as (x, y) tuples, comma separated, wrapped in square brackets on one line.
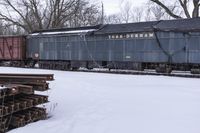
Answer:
[(139, 50), (177, 48), (154, 56), (129, 50), (194, 57), (75, 47), (194, 49), (138, 56), (32, 47), (48, 48), (117, 49), (153, 52), (151, 45)]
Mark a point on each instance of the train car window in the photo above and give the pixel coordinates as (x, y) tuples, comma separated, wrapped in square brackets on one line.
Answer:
[(136, 35), (145, 35), (117, 36), (113, 37), (151, 35), (121, 36), (110, 37)]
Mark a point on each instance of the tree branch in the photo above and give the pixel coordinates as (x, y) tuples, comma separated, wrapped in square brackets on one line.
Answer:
[(166, 9), (18, 12), (195, 12), (185, 8)]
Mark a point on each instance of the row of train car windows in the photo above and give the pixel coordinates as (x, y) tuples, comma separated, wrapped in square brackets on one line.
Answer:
[(139, 35)]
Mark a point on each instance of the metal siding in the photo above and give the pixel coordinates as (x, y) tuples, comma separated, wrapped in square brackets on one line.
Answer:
[(139, 50), (129, 50), (175, 46), (33, 47), (100, 48), (117, 48), (194, 49), (151, 51), (177, 50), (91, 51), (194, 57), (75, 50), (49, 49)]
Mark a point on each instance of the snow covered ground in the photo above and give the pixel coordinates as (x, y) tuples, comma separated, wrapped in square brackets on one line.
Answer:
[(108, 103)]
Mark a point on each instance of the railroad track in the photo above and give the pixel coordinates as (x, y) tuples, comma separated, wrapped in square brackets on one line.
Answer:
[(182, 74), (18, 101), (153, 73)]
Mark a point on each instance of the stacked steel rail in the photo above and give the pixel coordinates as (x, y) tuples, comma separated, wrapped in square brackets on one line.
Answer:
[(19, 104)]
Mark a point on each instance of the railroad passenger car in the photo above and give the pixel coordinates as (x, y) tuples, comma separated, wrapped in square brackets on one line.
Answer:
[(161, 45)]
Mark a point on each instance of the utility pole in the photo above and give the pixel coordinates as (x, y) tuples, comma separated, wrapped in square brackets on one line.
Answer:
[(102, 13)]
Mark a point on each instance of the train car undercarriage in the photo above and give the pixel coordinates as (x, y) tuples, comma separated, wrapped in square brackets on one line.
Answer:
[(75, 65), (158, 67)]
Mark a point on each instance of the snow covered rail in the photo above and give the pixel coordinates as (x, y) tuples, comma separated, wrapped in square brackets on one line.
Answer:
[(49, 77), (37, 81), (13, 89), (18, 101), (178, 74)]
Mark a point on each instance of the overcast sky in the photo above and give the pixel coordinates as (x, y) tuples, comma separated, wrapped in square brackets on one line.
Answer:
[(112, 6)]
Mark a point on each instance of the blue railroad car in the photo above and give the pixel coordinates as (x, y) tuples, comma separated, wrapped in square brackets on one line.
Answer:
[(161, 45)]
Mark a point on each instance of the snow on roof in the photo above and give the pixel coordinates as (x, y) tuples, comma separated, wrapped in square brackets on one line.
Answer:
[(2, 87), (63, 32)]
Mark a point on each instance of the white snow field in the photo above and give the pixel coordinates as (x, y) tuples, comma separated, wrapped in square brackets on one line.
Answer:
[(109, 103)]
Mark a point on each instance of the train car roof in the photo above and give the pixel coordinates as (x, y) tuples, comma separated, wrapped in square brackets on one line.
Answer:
[(124, 28), (177, 25), (185, 25), (75, 30)]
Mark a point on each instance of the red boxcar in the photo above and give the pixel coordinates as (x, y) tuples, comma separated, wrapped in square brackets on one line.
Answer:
[(12, 48)]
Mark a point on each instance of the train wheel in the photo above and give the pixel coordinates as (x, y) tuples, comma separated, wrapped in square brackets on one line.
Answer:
[(167, 70), (195, 71), (75, 68)]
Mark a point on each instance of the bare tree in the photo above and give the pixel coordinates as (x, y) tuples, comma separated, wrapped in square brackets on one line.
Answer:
[(155, 12), (58, 12), (36, 14), (1, 28), (128, 14), (147, 13), (184, 5), (10, 29), (113, 19), (125, 10), (86, 14), (137, 14)]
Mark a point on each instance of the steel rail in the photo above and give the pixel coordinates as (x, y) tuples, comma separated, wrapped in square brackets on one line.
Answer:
[(48, 77), (182, 75)]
